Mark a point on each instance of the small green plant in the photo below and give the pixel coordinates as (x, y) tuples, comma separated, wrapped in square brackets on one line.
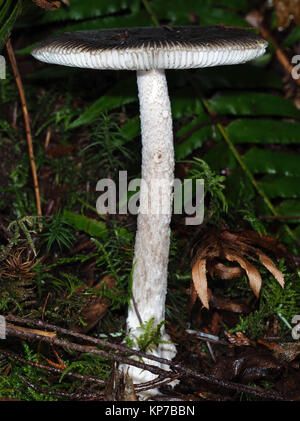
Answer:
[(26, 226), (14, 386), (253, 325), (274, 302), (58, 233), (89, 364), (150, 337), (8, 94), (59, 112), (115, 259), (213, 186), (249, 216), (107, 149)]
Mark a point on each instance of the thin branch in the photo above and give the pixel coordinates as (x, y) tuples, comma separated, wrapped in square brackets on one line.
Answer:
[(158, 382), (19, 83), (178, 369), (105, 344), (14, 331)]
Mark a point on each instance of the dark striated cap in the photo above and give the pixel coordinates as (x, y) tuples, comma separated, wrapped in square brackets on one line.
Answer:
[(152, 48)]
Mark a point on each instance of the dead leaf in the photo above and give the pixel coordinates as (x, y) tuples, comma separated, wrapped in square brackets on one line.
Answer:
[(219, 245), (193, 297), (95, 307), (200, 281), (221, 271), (252, 273), (267, 262)]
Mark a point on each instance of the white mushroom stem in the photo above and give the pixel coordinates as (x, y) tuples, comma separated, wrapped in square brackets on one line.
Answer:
[(152, 243)]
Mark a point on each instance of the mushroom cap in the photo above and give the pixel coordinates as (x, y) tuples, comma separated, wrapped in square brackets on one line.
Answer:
[(148, 48)]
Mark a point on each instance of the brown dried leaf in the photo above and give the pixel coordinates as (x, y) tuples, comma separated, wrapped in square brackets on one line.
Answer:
[(200, 281), (225, 272), (193, 296), (95, 307), (267, 262), (219, 245), (252, 273), (18, 265), (265, 241)]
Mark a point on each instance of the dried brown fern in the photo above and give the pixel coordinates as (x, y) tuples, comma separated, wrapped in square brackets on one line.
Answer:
[(220, 247), (16, 276)]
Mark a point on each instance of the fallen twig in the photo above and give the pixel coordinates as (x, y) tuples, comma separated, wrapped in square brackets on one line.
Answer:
[(88, 379), (158, 382), (19, 83), (12, 331), (178, 369), (38, 332)]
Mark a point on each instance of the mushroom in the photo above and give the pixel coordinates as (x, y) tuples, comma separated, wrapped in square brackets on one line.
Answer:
[(150, 51)]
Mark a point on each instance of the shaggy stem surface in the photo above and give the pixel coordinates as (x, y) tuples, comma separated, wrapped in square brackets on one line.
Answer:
[(152, 243)]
